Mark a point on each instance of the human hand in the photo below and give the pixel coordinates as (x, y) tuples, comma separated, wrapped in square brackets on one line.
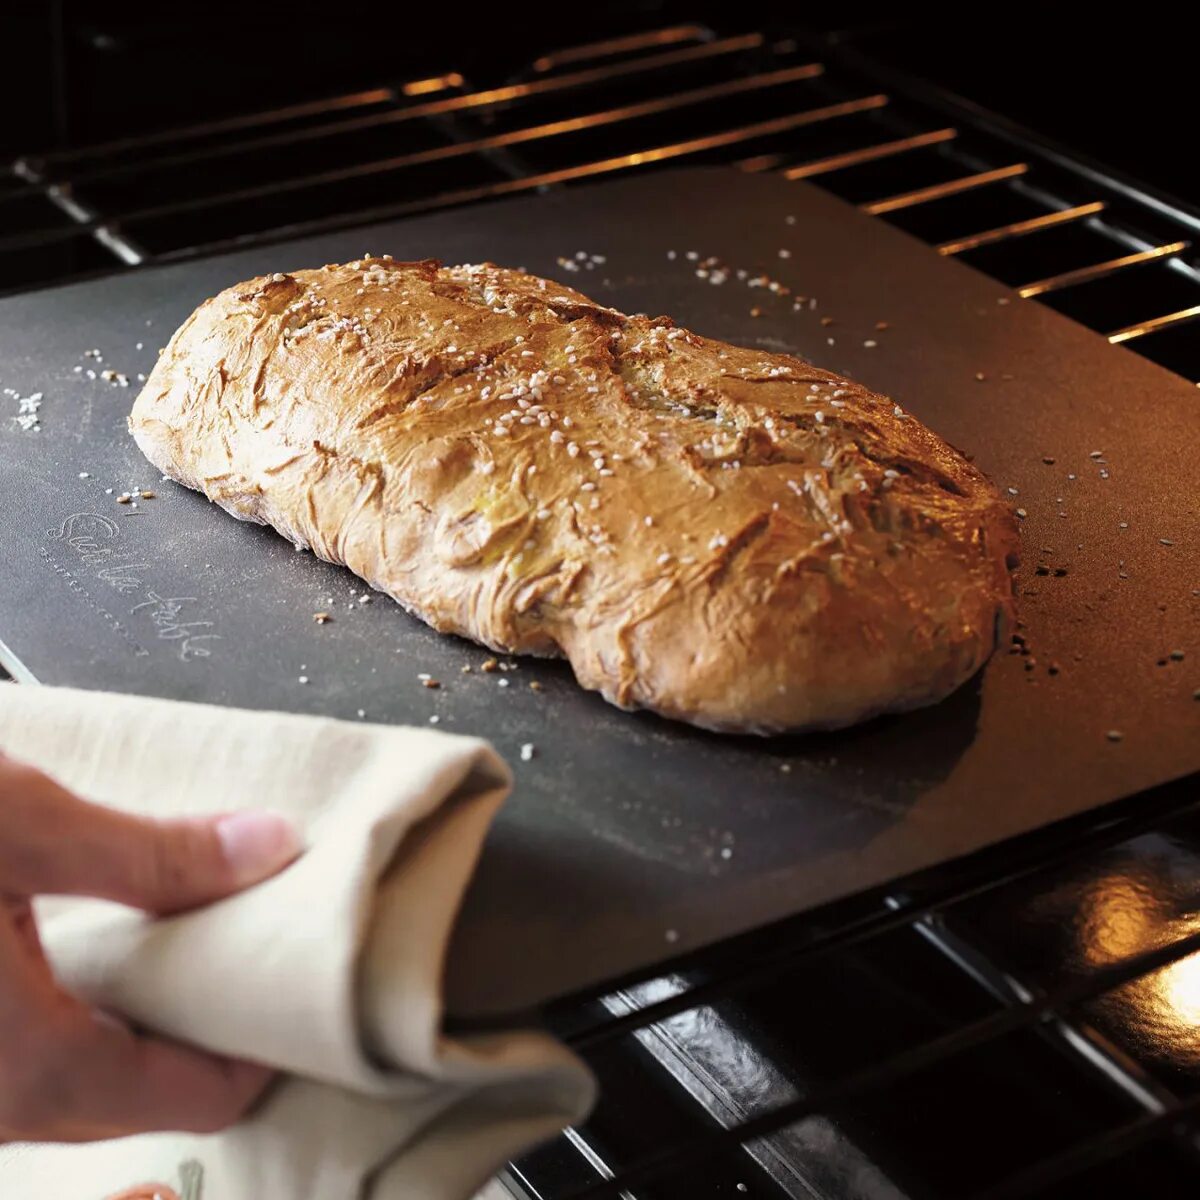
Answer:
[(68, 1072)]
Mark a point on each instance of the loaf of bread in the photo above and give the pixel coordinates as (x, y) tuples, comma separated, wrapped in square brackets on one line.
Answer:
[(726, 537)]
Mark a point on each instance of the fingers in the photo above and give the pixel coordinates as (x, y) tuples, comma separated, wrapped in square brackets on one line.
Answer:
[(52, 842), (29, 993), (129, 1083), (69, 1073), (82, 1076), (20, 913)]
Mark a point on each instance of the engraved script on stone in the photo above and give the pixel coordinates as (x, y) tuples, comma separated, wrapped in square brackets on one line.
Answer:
[(94, 541)]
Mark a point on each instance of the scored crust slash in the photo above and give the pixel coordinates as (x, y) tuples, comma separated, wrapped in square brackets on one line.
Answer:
[(723, 536)]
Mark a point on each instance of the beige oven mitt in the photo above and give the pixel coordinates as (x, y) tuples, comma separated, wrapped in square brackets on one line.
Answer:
[(331, 971)]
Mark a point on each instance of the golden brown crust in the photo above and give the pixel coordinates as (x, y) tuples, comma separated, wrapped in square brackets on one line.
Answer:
[(728, 537)]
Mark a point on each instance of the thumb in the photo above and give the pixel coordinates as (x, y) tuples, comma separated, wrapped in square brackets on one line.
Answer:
[(53, 842), (179, 864)]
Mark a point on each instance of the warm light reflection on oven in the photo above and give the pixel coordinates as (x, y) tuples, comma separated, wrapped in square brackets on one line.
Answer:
[(1122, 917), (1179, 987)]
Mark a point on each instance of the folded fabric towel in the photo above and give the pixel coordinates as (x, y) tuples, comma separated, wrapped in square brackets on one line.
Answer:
[(331, 971)]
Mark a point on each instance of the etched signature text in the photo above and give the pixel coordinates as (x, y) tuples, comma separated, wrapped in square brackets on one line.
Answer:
[(165, 612), (94, 541)]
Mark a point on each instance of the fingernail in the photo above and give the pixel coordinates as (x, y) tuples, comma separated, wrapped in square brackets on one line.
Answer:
[(257, 844)]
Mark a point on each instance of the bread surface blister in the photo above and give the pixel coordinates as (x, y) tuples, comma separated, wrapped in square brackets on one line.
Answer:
[(726, 537)]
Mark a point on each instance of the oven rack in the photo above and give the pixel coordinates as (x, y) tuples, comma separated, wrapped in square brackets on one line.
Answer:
[(1062, 232)]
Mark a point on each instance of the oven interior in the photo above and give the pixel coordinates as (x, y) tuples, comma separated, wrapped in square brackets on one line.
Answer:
[(1025, 1023)]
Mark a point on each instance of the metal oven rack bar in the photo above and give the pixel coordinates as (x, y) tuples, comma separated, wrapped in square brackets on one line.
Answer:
[(657, 66)]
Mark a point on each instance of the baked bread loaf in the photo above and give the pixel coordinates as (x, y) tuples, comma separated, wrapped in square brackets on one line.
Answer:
[(726, 537)]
